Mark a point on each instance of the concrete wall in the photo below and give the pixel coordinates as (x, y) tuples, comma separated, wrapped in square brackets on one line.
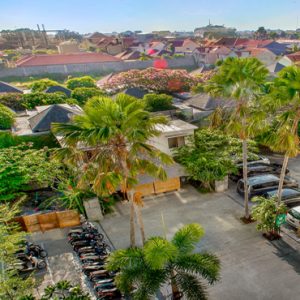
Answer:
[(105, 67)]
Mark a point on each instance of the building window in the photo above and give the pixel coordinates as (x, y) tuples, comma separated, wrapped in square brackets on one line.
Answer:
[(175, 142)]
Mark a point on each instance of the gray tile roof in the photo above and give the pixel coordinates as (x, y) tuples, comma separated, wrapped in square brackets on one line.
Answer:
[(7, 88), (136, 92), (56, 113), (58, 88)]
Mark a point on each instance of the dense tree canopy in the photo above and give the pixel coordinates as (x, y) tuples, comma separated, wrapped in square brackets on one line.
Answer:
[(7, 117), (158, 80), (42, 84), (158, 102), (82, 94), (79, 82), (22, 168)]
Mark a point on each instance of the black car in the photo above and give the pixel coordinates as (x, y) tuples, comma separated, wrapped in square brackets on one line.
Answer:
[(260, 184), (252, 160), (257, 168), (290, 196)]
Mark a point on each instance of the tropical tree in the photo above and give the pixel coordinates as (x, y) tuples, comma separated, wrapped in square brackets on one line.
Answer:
[(7, 117), (142, 271), (241, 79), (285, 98), (108, 147), (78, 82), (42, 84)]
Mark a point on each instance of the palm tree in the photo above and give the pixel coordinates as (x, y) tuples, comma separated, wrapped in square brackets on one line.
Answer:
[(142, 271), (240, 79), (108, 147), (285, 97)]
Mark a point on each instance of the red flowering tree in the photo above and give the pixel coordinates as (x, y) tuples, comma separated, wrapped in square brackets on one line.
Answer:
[(152, 79)]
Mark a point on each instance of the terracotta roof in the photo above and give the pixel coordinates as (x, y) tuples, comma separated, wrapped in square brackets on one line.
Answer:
[(64, 59), (257, 51), (294, 57)]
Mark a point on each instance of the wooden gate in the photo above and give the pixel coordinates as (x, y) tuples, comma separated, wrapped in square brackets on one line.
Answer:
[(47, 221)]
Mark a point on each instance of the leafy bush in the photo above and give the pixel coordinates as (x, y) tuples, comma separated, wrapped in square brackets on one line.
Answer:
[(210, 156), (23, 167), (12, 100), (266, 212), (42, 84), (7, 117), (85, 81), (158, 102), (82, 94), (32, 100)]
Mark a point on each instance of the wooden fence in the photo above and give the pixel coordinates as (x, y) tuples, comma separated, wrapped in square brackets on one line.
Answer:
[(47, 221)]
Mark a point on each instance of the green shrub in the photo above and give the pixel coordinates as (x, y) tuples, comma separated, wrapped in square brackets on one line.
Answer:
[(85, 81), (7, 117), (158, 102), (82, 94), (42, 84), (32, 100), (12, 100), (37, 141)]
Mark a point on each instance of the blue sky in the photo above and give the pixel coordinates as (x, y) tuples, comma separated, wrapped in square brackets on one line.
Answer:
[(120, 15)]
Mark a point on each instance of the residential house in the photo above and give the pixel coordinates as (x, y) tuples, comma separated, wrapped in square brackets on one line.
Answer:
[(39, 120), (135, 92), (157, 45), (186, 46), (266, 56), (68, 47), (290, 59), (129, 55), (173, 135), (110, 45), (7, 88)]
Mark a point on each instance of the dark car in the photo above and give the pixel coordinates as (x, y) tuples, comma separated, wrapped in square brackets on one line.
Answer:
[(252, 160), (260, 184), (290, 196), (257, 169)]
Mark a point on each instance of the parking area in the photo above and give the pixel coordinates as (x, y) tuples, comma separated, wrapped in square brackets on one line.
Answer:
[(252, 267)]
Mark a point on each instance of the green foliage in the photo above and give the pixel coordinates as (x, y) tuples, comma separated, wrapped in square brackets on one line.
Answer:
[(7, 117), (7, 139), (210, 156), (265, 212), (79, 82), (158, 102), (12, 286), (142, 271), (42, 84), (12, 100), (62, 290), (22, 168), (178, 55), (198, 88), (82, 94), (30, 101)]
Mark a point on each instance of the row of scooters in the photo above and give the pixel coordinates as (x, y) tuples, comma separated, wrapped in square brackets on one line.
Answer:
[(30, 257), (93, 252)]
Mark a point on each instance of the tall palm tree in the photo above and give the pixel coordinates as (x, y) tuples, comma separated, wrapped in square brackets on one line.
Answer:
[(108, 147), (161, 262), (285, 98), (240, 79)]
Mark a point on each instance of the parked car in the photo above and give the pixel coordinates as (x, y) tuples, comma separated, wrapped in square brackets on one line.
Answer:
[(290, 196), (256, 169), (293, 217), (252, 160), (260, 184)]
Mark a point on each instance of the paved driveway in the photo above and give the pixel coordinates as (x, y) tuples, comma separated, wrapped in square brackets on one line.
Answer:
[(252, 267)]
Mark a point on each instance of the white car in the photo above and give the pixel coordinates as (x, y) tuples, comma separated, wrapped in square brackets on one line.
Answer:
[(293, 217)]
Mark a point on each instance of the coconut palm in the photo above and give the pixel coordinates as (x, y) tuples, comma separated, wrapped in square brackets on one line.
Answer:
[(241, 79), (285, 98), (142, 271), (108, 148)]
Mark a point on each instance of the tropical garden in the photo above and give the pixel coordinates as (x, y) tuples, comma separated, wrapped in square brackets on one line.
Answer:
[(107, 148)]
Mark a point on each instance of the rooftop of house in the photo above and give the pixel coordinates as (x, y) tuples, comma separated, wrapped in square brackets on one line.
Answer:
[(294, 57), (136, 92), (63, 59), (58, 88), (7, 88), (205, 102), (129, 55), (176, 127), (258, 51), (40, 119)]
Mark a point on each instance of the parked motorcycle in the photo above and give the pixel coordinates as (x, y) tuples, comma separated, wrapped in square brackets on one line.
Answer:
[(31, 249), (28, 263), (111, 294), (103, 286)]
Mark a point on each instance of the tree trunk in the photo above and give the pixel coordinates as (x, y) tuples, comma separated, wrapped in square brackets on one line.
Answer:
[(176, 294), (141, 223), (245, 178), (282, 175), (286, 160), (132, 227)]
